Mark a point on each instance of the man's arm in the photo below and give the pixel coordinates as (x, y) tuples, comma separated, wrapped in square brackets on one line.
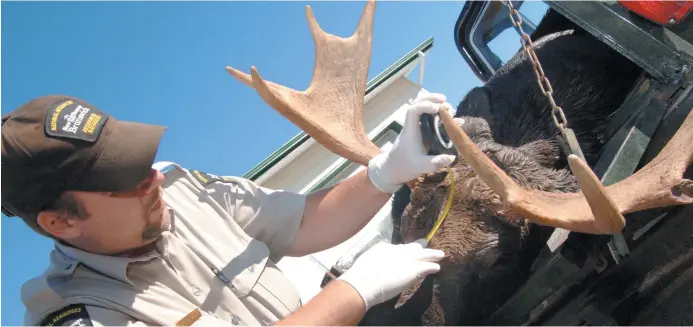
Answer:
[(335, 214), (381, 273), (338, 304)]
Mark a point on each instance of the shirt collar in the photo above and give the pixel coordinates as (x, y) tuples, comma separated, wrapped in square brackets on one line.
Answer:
[(112, 266)]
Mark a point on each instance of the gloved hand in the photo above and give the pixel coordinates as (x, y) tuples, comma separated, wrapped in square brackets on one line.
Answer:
[(386, 270), (407, 159)]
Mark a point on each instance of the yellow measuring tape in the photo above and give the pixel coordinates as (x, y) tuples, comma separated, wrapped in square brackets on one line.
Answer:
[(444, 213)]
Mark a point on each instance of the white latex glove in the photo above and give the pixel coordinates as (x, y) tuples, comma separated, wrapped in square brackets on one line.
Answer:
[(386, 270), (407, 159)]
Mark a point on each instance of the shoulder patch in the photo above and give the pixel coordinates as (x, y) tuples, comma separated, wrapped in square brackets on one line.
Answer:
[(74, 315), (204, 178)]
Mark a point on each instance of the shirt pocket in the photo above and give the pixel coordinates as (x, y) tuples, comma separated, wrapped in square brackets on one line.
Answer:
[(277, 291), (243, 270)]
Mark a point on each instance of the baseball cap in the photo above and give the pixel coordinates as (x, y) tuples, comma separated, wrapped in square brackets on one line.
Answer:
[(58, 143)]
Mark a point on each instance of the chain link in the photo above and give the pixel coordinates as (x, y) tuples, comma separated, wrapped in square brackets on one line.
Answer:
[(542, 80)]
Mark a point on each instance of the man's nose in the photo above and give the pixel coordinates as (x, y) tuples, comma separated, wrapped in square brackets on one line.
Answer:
[(153, 181), (149, 184)]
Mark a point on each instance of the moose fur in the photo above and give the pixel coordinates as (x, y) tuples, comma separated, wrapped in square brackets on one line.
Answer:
[(488, 255)]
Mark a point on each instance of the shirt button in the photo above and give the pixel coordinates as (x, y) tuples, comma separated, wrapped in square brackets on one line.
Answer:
[(252, 268), (196, 291), (235, 320)]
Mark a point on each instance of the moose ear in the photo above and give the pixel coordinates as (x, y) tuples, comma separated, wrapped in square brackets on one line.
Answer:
[(545, 152), (475, 103)]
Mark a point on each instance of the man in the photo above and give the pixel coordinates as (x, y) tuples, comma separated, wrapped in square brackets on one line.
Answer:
[(146, 243)]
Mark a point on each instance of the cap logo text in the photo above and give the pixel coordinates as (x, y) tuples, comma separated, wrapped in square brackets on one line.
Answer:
[(76, 120), (90, 126), (56, 113)]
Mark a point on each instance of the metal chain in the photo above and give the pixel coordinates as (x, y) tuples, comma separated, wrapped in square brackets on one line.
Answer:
[(543, 81), (560, 235)]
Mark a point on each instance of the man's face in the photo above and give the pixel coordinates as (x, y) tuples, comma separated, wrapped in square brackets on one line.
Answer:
[(123, 221)]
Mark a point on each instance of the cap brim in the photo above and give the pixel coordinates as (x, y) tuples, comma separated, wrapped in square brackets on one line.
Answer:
[(126, 159)]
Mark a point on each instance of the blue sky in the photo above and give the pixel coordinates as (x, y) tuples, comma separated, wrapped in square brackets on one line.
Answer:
[(163, 63)]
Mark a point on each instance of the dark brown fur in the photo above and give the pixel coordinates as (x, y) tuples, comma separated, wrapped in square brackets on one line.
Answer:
[(488, 255), (484, 251)]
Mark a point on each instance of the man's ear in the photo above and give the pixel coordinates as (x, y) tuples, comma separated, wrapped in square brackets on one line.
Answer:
[(58, 224)]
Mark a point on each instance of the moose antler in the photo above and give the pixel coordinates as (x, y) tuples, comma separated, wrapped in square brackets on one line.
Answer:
[(330, 110), (660, 183)]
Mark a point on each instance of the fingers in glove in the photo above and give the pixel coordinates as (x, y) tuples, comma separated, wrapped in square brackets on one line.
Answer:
[(425, 268), (427, 255), (440, 161), (423, 107), (411, 121), (422, 242), (417, 251), (417, 245), (432, 97)]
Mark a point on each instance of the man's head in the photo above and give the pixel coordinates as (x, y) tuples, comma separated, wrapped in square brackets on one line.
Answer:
[(75, 173)]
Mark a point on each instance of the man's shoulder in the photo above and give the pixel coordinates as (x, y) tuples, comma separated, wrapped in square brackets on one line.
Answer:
[(60, 296), (37, 294), (40, 295), (172, 171), (53, 297)]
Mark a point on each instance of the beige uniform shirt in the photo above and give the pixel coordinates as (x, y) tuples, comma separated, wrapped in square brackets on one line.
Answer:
[(219, 258)]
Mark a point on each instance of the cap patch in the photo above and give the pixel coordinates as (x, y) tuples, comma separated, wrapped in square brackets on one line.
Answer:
[(71, 315), (73, 119)]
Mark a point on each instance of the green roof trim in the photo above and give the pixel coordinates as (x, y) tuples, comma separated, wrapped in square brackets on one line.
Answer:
[(301, 137)]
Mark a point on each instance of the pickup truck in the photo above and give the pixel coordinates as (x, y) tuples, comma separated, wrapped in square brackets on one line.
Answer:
[(643, 274)]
